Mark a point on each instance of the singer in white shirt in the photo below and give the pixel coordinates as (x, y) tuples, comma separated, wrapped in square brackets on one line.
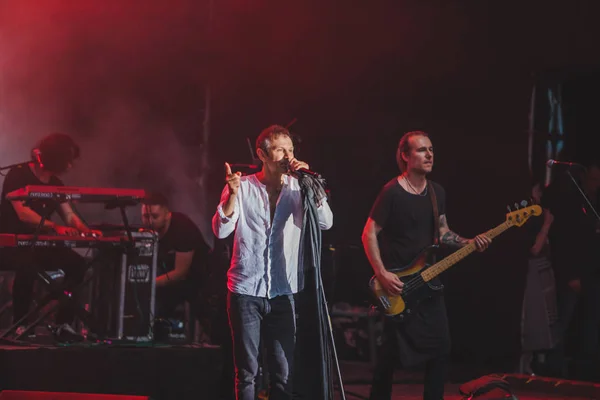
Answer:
[(265, 211)]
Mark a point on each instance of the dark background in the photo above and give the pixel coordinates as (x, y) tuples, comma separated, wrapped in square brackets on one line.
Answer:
[(129, 80)]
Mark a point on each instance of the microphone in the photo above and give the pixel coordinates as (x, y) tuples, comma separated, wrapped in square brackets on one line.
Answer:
[(300, 171), (304, 171), (37, 157), (550, 163)]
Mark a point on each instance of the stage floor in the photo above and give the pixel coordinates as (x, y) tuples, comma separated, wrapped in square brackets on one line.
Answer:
[(162, 372), (181, 372)]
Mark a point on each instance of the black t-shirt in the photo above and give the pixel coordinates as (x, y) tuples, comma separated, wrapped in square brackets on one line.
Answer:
[(532, 229), (574, 240), (17, 178), (407, 228), (183, 236), (407, 222)]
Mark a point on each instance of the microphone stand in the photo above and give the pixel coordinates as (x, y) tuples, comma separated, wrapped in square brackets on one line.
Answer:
[(16, 165), (583, 194), (307, 183)]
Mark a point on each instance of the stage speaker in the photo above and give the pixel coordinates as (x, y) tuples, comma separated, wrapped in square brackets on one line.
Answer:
[(523, 385), (27, 395)]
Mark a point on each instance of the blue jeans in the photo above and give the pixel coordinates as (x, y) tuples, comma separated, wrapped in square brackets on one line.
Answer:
[(272, 321)]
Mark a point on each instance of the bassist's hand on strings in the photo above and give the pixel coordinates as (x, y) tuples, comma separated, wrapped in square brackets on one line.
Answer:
[(481, 241), (390, 282)]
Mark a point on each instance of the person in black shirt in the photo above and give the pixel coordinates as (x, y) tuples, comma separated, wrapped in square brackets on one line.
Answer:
[(574, 234), (53, 156), (182, 255), (400, 226)]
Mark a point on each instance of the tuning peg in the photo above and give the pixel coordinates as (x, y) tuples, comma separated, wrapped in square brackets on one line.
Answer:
[(524, 203), (508, 208), (516, 206)]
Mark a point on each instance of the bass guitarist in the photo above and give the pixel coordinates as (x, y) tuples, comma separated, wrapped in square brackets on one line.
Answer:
[(408, 216)]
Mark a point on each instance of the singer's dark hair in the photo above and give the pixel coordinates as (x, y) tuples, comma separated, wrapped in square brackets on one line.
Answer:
[(156, 199), (404, 147), (57, 152), (268, 134)]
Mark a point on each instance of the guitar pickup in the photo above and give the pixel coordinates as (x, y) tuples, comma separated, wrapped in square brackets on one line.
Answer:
[(385, 302)]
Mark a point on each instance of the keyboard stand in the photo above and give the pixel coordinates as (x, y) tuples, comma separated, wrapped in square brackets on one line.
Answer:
[(41, 274), (43, 277), (63, 295), (121, 204), (55, 293)]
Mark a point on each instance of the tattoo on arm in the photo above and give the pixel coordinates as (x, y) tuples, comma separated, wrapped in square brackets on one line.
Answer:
[(452, 239), (443, 222)]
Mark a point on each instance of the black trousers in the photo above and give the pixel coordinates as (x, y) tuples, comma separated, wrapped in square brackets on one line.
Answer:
[(388, 360), (587, 349), (423, 338), (170, 296), (27, 262)]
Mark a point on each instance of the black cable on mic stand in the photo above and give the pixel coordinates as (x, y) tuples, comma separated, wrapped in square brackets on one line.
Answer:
[(313, 192), (587, 200), (21, 164), (584, 196)]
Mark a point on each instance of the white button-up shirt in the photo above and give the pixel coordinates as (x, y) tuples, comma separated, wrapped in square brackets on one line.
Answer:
[(266, 256)]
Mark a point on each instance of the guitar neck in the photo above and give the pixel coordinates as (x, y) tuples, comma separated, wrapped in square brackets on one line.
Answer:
[(458, 255)]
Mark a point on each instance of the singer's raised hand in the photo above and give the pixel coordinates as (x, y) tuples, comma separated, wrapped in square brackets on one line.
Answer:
[(232, 179), (296, 165)]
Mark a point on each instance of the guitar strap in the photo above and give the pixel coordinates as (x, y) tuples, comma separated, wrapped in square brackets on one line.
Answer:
[(436, 214)]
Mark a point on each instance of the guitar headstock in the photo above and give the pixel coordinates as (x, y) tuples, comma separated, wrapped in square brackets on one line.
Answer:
[(522, 212)]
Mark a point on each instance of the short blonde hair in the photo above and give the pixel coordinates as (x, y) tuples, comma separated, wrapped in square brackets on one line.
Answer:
[(404, 147)]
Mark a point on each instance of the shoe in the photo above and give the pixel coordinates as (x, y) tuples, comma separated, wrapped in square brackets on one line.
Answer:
[(21, 329), (66, 334), (94, 337)]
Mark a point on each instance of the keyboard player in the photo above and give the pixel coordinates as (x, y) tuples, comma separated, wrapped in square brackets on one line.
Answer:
[(54, 155)]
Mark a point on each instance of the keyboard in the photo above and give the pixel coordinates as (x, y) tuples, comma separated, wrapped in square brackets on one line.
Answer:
[(141, 239), (77, 194)]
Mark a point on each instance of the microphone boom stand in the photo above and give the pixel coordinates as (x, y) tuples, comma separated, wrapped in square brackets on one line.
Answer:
[(583, 194), (15, 165)]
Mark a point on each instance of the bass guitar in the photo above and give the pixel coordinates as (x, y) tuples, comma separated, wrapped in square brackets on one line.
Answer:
[(418, 274)]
